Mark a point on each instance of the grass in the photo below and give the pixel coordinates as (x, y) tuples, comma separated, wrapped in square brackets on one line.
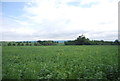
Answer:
[(60, 62)]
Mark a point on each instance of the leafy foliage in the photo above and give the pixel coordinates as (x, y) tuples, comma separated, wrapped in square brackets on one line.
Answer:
[(60, 62), (82, 40)]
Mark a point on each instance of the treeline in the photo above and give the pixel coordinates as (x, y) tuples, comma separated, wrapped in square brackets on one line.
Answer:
[(82, 40), (39, 42), (29, 43)]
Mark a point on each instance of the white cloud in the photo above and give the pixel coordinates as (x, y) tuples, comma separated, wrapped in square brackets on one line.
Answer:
[(50, 18)]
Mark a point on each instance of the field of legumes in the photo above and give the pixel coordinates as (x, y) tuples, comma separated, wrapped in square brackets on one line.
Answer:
[(60, 62)]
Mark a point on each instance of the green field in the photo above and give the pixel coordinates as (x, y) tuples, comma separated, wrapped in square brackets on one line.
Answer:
[(60, 62)]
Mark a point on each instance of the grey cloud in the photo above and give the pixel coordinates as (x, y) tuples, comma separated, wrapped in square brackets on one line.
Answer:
[(14, 36), (103, 35), (60, 35)]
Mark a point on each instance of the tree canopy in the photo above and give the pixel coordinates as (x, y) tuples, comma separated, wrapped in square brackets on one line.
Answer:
[(82, 40)]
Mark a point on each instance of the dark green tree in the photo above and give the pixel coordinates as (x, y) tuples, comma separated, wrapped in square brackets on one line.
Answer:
[(9, 44), (22, 44), (14, 44), (117, 42), (82, 40)]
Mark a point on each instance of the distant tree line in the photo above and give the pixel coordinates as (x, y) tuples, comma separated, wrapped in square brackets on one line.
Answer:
[(29, 43), (39, 42), (82, 40)]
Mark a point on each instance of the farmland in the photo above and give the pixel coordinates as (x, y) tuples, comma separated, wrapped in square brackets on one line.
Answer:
[(60, 62)]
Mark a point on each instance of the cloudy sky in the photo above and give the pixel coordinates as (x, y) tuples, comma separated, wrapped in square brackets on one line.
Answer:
[(59, 20)]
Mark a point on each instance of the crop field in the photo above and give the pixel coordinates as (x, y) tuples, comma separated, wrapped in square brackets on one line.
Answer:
[(60, 62)]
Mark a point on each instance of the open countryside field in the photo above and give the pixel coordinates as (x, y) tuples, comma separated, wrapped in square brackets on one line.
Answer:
[(60, 62)]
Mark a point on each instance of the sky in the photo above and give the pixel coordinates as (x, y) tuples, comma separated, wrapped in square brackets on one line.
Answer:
[(59, 20)]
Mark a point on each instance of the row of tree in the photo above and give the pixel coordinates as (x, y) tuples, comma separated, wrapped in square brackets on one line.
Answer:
[(82, 40), (47, 42), (28, 43)]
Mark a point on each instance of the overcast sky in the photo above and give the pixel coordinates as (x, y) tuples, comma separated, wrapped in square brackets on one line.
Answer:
[(59, 20)]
